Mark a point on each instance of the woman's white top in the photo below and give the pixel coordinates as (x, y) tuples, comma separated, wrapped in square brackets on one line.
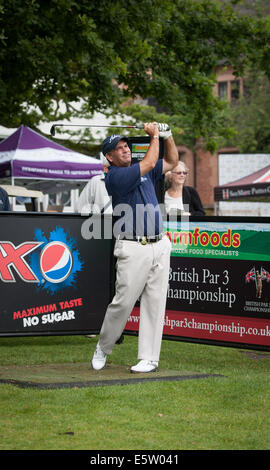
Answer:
[(172, 204)]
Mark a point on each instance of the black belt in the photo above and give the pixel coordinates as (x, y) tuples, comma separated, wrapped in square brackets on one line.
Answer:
[(143, 239)]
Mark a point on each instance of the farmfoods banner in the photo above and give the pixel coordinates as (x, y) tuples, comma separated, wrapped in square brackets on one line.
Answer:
[(219, 282), (52, 280)]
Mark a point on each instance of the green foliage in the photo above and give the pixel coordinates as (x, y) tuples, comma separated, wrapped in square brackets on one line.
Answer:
[(182, 125), (251, 115), (63, 51)]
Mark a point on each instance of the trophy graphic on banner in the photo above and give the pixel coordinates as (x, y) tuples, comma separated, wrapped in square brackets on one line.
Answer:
[(258, 277)]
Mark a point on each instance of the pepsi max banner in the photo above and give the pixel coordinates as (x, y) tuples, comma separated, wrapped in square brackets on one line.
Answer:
[(219, 282), (52, 280)]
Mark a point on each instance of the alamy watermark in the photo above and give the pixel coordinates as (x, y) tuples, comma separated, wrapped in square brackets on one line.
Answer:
[(124, 222)]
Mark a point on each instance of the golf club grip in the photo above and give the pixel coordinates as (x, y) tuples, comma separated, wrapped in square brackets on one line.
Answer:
[(160, 128)]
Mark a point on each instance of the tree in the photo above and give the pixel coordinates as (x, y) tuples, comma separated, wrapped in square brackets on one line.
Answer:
[(61, 51), (251, 115)]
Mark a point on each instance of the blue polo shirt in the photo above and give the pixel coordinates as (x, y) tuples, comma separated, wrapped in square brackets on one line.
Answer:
[(4, 201), (135, 207)]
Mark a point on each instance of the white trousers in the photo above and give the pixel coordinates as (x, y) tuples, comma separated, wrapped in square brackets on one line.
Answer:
[(141, 270)]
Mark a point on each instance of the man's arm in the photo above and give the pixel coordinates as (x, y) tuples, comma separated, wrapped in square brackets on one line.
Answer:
[(151, 157), (171, 157)]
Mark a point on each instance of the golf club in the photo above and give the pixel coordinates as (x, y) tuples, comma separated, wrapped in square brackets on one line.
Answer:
[(52, 131)]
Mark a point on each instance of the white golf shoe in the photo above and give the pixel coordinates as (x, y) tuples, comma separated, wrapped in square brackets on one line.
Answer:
[(99, 359), (145, 366)]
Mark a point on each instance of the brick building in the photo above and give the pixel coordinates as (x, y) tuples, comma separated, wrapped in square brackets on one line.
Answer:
[(203, 166)]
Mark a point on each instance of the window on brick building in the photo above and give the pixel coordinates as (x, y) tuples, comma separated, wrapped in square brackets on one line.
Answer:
[(235, 90), (229, 90), (222, 90)]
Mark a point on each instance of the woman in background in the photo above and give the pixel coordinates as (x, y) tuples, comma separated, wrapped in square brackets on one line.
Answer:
[(180, 199)]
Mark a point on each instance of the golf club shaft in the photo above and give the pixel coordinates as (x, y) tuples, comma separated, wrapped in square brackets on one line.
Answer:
[(52, 131)]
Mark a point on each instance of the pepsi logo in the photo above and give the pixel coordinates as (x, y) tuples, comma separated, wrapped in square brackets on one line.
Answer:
[(56, 262)]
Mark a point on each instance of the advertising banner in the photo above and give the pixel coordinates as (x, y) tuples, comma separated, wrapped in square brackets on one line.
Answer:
[(219, 282), (56, 278), (52, 280)]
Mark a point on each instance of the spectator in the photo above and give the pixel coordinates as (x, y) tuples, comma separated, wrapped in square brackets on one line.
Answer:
[(180, 198), (94, 197), (4, 201)]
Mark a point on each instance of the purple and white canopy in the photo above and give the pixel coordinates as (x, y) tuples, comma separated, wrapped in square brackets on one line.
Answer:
[(28, 155)]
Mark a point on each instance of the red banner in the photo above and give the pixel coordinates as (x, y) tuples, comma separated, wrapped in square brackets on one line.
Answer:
[(211, 327)]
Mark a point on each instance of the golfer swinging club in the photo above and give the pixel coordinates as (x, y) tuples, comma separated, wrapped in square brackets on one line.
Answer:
[(141, 249)]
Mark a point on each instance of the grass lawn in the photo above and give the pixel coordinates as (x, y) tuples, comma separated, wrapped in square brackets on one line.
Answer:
[(221, 413)]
